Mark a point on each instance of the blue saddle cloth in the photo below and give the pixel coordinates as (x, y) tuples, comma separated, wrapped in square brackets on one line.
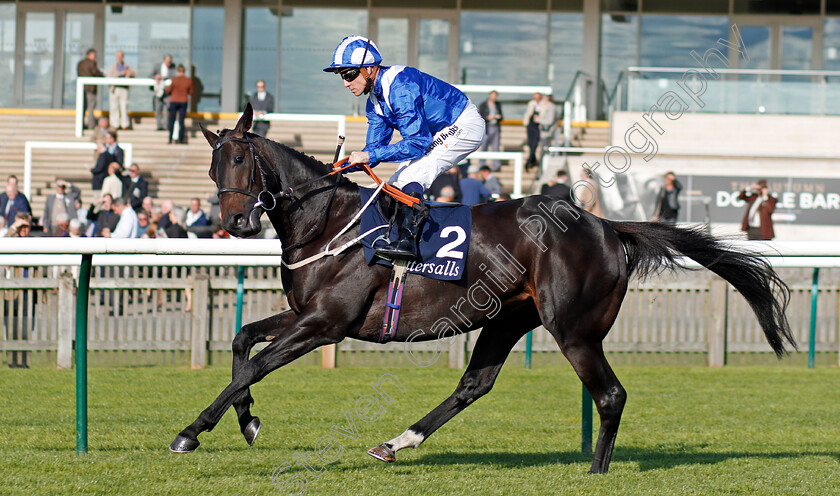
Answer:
[(444, 240)]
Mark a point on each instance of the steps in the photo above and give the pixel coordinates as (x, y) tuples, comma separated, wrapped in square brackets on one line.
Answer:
[(180, 172)]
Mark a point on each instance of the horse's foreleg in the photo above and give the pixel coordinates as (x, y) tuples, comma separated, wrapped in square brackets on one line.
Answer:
[(491, 349), (596, 374), (285, 348), (248, 336)]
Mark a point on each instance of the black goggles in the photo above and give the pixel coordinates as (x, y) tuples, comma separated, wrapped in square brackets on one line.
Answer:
[(350, 74)]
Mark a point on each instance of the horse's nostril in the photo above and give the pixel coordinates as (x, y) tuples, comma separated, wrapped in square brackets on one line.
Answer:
[(239, 220)]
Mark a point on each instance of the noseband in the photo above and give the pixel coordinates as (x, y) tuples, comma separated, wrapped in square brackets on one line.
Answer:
[(265, 198)]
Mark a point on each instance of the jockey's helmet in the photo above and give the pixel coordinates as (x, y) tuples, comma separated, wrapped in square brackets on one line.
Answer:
[(355, 51)]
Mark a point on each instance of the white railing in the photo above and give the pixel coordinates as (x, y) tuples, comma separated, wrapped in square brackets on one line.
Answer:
[(101, 81), (128, 148)]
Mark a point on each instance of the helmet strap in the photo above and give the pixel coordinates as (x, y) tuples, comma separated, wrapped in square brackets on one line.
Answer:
[(369, 78)]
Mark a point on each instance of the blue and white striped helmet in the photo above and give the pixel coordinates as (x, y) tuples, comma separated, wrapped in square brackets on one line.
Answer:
[(350, 51)]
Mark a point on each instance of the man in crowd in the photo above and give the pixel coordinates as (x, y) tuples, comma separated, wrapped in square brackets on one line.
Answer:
[(135, 187), (101, 213), (127, 226), (62, 202), (111, 153), (87, 68), (262, 102), (113, 184), (491, 182), (179, 96), (13, 202), (196, 218), (758, 219), (556, 187), (162, 73), (119, 94), (491, 111), (473, 191), (668, 200)]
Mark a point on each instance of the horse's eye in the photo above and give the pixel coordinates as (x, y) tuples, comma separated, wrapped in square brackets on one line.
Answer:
[(238, 159)]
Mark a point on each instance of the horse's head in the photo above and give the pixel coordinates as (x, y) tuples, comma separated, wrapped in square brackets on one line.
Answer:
[(239, 176)]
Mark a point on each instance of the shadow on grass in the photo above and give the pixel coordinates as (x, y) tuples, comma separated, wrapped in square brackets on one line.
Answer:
[(646, 459)]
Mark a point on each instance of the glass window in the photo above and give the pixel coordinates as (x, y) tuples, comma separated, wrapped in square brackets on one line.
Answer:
[(831, 44), (619, 46), (207, 40), (7, 54), (503, 48), (78, 38), (667, 41), (259, 57), (308, 39), (39, 46), (776, 7), (145, 35), (566, 51), (704, 7)]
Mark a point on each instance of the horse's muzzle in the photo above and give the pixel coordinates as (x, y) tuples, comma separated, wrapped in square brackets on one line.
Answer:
[(243, 226)]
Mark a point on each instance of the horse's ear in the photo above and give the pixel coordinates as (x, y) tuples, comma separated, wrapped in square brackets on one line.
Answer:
[(211, 137), (246, 120)]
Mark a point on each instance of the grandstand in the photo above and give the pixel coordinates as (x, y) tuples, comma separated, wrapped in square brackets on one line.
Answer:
[(179, 172)]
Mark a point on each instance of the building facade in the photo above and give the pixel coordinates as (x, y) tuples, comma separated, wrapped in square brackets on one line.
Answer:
[(227, 45)]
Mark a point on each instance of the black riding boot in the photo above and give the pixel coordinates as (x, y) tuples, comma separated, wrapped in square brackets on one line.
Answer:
[(409, 223)]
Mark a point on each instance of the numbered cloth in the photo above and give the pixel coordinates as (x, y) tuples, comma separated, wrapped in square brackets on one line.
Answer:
[(444, 241)]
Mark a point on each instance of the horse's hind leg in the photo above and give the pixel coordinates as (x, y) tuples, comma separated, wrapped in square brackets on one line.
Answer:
[(491, 350), (251, 334), (591, 365)]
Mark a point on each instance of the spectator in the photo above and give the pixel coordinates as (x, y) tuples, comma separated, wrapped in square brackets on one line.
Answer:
[(263, 103), (21, 227), (556, 187), (175, 229), (113, 184), (81, 213), (472, 191), (119, 94), (13, 202), (162, 73), (447, 194), (668, 201), (3, 228), (491, 110), (13, 307), (541, 124), (127, 226), (111, 153), (758, 219), (98, 136), (87, 68), (143, 222), (166, 207), (75, 229), (197, 218), (151, 231), (148, 205), (101, 213), (490, 181), (135, 188), (451, 179), (179, 96), (62, 226), (62, 202)]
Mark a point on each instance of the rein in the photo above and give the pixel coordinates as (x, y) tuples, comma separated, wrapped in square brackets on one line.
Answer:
[(267, 200)]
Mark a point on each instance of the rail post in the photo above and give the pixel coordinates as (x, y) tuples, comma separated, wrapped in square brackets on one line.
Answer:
[(529, 348), (717, 334), (200, 321), (812, 333), (240, 293), (64, 359), (81, 355)]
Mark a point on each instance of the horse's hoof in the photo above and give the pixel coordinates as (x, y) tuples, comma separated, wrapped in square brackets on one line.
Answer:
[(383, 452), (251, 431), (183, 444)]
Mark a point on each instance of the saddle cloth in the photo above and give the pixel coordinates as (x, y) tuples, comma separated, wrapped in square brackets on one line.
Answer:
[(444, 241)]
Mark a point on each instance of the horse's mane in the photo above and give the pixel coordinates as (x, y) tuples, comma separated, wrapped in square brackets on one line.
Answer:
[(277, 153)]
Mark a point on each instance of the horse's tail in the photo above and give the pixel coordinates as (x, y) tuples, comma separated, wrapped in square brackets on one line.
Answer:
[(652, 247)]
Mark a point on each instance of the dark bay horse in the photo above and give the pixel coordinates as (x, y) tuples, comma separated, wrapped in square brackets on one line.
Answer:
[(533, 261)]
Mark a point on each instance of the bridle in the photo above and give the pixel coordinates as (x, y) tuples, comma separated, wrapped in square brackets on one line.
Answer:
[(267, 200)]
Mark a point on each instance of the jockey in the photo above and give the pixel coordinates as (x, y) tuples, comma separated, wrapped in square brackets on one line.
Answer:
[(439, 126)]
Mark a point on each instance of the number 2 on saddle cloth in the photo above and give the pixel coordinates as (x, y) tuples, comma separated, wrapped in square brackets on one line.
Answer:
[(443, 244)]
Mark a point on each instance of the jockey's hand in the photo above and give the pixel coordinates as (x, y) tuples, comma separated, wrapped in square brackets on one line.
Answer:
[(356, 158), (359, 158)]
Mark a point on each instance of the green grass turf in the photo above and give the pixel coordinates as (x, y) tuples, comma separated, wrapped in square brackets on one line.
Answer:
[(745, 431)]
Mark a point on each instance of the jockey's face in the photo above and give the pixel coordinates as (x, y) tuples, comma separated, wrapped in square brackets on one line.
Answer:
[(357, 85)]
